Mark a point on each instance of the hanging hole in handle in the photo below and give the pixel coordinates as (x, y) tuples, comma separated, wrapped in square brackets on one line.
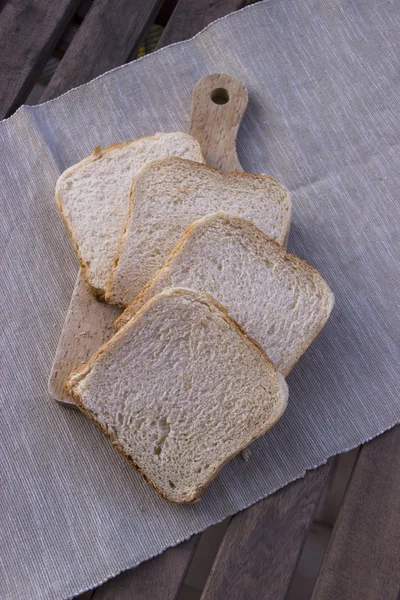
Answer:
[(220, 96)]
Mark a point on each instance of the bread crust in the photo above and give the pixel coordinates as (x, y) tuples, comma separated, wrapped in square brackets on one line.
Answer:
[(255, 233), (109, 291), (78, 374)]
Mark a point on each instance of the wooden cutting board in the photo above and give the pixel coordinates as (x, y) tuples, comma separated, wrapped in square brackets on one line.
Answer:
[(218, 105)]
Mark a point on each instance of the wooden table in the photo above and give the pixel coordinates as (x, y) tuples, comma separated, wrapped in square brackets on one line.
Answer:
[(261, 547)]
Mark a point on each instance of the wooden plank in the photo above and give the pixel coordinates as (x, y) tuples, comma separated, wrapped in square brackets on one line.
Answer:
[(86, 595), (2, 4), (83, 9), (66, 40), (29, 30), (158, 579), (335, 489), (191, 16), (261, 548), (165, 12), (362, 561), (109, 34)]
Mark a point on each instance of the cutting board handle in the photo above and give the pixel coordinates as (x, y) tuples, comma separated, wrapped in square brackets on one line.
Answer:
[(218, 104)]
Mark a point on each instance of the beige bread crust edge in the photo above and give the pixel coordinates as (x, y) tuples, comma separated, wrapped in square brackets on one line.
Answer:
[(243, 223), (96, 154), (109, 287), (78, 374), (109, 292)]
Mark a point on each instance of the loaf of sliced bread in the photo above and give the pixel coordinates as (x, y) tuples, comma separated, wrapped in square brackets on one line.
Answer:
[(276, 297), (180, 390), (168, 195), (93, 197)]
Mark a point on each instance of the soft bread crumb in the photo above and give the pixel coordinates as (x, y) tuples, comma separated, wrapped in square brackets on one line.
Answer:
[(276, 297), (168, 195), (180, 390)]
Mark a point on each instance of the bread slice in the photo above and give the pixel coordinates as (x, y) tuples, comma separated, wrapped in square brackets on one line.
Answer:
[(180, 390), (93, 197), (168, 195), (277, 298)]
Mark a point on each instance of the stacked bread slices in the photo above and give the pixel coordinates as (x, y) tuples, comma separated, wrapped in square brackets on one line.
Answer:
[(216, 311)]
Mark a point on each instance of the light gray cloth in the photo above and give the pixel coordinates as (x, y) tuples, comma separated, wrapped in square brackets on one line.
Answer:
[(324, 118)]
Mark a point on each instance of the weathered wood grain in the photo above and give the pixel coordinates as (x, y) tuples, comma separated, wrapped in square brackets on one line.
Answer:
[(191, 16), (362, 561), (29, 30), (261, 548), (109, 34), (2, 4)]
